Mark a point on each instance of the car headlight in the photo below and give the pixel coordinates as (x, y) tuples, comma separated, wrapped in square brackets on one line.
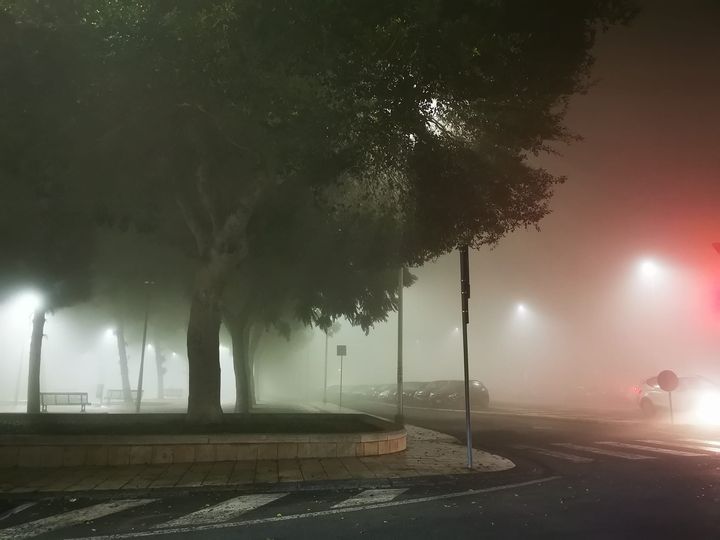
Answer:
[(707, 409)]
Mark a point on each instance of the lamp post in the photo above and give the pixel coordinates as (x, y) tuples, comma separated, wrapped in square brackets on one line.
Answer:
[(148, 284)]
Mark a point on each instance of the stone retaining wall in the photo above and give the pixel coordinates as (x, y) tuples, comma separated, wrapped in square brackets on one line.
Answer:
[(100, 450)]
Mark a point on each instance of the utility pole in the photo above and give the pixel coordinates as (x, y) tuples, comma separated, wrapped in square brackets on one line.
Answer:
[(326, 358), (400, 415), (144, 346), (465, 295)]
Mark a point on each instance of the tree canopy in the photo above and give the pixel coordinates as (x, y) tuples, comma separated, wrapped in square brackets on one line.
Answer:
[(398, 130)]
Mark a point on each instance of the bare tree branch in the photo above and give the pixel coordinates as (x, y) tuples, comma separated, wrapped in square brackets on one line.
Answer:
[(194, 227), (202, 188)]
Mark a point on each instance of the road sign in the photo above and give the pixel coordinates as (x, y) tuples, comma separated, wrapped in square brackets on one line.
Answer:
[(667, 380), (342, 350)]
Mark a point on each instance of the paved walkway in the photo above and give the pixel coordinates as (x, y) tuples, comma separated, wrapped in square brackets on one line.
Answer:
[(429, 453)]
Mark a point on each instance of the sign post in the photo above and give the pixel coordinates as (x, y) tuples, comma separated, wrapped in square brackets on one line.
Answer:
[(668, 381), (465, 295), (400, 415), (341, 352)]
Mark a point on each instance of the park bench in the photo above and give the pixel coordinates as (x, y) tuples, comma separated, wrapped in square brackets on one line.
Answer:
[(63, 398), (174, 393), (117, 395)]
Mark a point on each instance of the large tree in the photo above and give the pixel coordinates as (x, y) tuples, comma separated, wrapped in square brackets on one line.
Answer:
[(46, 238), (310, 267), (428, 109)]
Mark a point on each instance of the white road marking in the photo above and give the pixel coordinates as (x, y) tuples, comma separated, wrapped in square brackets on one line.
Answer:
[(68, 519), (321, 513), (371, 496), (645, 448), (225, 511), (704, 441), (712, 449), (16, 510), (602, 451), (555, 454)]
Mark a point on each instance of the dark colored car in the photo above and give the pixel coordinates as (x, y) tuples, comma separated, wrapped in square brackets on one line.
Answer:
[(409, 390), (451, 395), (422, 396)]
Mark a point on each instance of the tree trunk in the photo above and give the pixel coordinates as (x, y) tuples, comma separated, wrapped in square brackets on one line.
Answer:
[(33, 398), (239, 332), (203, 344), (254, 339), (122, 354)]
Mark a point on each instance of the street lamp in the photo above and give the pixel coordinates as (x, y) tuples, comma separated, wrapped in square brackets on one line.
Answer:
[(26, 304), (649, 269), (148, 284)]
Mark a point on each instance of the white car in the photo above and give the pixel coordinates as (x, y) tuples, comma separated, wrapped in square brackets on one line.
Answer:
[(696, 399)]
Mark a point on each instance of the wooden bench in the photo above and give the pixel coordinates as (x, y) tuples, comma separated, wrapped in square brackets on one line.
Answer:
[(63, 398), (117, 395), (174, 393)]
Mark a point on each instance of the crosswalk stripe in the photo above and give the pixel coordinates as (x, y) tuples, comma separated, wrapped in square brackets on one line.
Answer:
[(691, 446), (17, 510), (68, 519), (371, 496), (645, 448), (555, 454), (602, 451), (224, 511), (704, 441)]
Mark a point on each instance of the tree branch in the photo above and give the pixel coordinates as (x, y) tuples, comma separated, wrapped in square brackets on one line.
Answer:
[(194, 227), (201, 185)]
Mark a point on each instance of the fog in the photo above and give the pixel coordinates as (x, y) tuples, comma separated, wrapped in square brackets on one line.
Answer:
[(620, 282)]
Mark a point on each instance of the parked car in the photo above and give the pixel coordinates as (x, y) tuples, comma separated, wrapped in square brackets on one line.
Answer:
[(388, 394), (451, 395), (422, 395), (696, 399), (360, 391), (379, 389), (409, 389)]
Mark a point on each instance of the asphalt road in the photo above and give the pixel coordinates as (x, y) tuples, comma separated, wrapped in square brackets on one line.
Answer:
[(575, 478)]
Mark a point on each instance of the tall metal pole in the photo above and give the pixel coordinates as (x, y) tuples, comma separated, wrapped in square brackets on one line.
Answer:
[(400, 416), (465, 295), (341, 374), (142, 352), (325, 383)]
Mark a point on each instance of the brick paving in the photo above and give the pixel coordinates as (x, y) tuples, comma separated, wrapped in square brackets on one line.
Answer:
[(428, 453)]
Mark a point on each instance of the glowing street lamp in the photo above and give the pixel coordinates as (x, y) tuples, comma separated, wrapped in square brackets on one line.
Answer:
[(27, 303), (649, 269), (521, 309)]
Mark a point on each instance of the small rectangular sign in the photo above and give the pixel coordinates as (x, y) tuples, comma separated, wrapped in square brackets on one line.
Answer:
[(342, 350)]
